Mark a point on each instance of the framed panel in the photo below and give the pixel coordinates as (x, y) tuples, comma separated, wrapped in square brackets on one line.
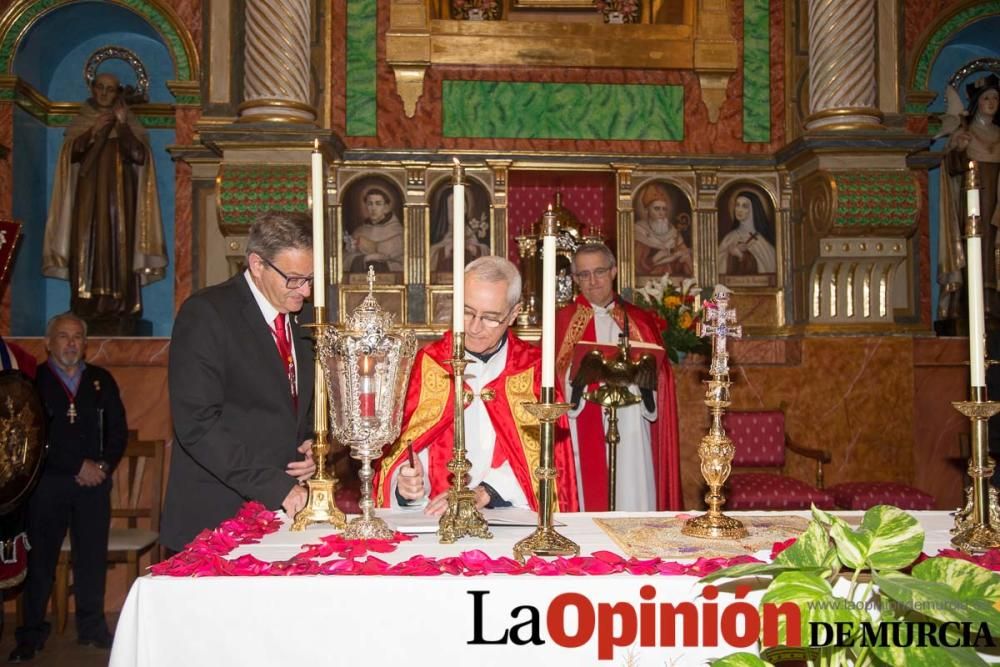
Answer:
[(372, 214), (391, 299), (478, 228), (662, 232), (439, 305), (747, 253)]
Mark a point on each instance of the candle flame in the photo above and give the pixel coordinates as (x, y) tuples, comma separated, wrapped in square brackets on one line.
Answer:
[(316, 145)]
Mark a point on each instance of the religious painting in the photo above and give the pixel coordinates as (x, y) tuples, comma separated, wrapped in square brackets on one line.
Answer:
[(391, 299), (439, 231), (439, 305), (662, 232), (372, 209), (747, 255)]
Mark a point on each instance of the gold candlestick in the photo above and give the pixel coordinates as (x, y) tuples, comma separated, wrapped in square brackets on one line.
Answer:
[(976, 527), (462, 518), (320, 507), (716, 449), (546, 541)]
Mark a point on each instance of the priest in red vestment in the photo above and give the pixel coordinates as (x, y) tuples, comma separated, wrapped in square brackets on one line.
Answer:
[(648, 460), (502, 439)]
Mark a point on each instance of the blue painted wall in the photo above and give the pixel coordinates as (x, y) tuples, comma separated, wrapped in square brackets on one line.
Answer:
[(975, 41), (51, 58)]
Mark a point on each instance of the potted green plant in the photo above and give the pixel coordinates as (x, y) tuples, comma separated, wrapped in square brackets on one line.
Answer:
[(874, 562)]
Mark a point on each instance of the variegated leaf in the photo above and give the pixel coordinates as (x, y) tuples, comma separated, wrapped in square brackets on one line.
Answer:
[(928, 656), (897, 537), (853, 546), (811, 549), (815, 600), (741, 660), (936, 600)]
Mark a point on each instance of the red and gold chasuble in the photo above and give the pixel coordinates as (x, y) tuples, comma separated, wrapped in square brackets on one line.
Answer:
[(574, 323), (427, 423)]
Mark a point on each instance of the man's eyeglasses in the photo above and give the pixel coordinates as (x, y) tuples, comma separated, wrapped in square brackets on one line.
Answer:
[(596, 274), (489, 321), (291, 282)]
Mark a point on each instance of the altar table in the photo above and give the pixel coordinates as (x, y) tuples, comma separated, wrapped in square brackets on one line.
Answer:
[(405, 620)]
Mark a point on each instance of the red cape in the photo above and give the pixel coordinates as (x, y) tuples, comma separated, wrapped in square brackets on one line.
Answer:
[(574, 323), (428, 423)]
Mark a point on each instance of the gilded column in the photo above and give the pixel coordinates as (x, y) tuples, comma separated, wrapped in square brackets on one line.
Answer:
[(843, 86), (276, 81)]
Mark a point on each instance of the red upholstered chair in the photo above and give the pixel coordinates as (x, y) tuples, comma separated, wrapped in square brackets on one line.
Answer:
[(761, 441), (865, 495)]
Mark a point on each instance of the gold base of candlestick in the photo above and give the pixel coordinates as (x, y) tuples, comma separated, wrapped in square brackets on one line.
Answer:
[(977, 527), (370, 528), (320, 508), (716, 526), (462, 518), (546, 541)]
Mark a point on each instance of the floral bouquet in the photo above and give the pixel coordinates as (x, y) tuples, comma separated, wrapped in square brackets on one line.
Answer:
[(680, 307)]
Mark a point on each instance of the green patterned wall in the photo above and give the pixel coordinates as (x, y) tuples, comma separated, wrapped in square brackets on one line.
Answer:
[(756, 71), (501, 109), (876, 198), (361, 78)]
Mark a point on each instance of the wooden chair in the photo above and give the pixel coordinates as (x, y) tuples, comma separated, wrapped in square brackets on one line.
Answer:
[(143, 459), (761, 443)]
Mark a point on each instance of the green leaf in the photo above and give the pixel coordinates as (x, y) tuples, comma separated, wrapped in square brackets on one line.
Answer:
[(811, 549), (968, 580), (741, 660), (897, 537), (853, 546), (815, 600), (936, 600), (746, 570), (823, 517)]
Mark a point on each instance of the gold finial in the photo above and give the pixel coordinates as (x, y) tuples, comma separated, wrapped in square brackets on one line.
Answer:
[(972, 176), (371, 279), (458, 176), (315, 145)]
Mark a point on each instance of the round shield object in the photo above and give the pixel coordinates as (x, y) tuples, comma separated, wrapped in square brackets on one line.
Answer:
[(22, 439)]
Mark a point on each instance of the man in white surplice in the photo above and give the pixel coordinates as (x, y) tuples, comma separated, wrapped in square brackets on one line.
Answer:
[(598, 315)]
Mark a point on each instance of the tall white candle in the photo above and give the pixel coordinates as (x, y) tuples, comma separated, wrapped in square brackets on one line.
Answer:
[(548, 303), (977, 334), (319, 247), (972, 202), (458, 249)]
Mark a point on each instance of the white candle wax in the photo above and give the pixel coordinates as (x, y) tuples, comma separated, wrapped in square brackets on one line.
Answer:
[(977, 321), (972, 202), (549, 311), (319, 247), (458, 254)]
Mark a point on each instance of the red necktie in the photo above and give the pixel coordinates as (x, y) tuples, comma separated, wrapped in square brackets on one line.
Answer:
[(285, 352)]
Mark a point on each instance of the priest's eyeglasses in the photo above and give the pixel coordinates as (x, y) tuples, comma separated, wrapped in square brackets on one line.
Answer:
[(291, 282), (596, 274), (490, 320)]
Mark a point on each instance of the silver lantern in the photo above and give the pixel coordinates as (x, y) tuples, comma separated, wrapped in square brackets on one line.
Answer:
[(367, 366)]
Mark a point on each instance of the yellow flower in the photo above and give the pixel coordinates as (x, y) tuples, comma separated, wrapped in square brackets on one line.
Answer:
[(686, 320), (672, 301)]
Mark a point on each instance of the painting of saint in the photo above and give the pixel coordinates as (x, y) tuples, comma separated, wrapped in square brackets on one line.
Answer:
[(373, 233), (477, 228), (747, 255), (662, 232)]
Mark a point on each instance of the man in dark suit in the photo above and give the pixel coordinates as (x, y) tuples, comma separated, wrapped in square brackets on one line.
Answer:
[(240, 379), (87, 432)]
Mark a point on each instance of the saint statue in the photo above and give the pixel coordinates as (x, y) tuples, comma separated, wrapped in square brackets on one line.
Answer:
[(103, 232), (975, 137)]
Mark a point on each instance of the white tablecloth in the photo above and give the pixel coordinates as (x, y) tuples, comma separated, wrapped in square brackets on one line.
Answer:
[(394, 620)]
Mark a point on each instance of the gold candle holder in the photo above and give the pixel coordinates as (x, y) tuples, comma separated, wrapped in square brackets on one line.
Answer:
[(716, 449), (546, 541), (977, 527), (321, 506), (462, 518)]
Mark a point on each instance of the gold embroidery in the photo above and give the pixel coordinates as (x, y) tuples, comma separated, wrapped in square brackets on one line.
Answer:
[(435, 383), (520, 390), (467, 397), (581, 318), (488, 394)]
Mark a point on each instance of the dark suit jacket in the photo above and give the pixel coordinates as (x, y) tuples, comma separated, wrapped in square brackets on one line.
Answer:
[(235, 429)]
